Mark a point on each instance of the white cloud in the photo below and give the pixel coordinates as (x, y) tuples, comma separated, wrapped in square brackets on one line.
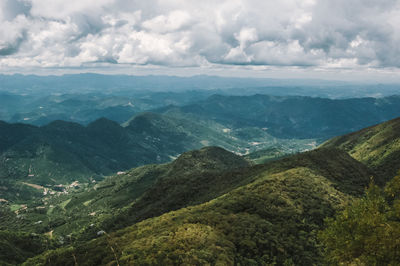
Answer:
[(174, 21), (313, 33)]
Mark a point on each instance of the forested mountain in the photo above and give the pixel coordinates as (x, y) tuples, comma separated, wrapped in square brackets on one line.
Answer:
[(292, 116), (63, 152), (238, 133), (207, 206), (262, 214), (223, 210), (39, 109), (84, 98)]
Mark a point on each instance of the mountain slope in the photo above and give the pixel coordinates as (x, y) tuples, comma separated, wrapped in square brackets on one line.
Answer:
[(134, 195), (63, 152), (212, 207), (377, 147), (272, 217), (15, 248)]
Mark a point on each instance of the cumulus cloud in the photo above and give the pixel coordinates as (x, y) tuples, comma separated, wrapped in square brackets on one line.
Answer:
[(187, 33)]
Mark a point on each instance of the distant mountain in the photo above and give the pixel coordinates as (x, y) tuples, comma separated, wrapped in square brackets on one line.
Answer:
[(83, 98), (39, 109), (126, 84), (377, 147), (291, 116)]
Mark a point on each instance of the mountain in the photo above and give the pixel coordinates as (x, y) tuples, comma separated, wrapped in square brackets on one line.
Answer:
[(208, 206), (261, 214), (83, 98), (377, 147), (291, 116), (127, 197), (42, 108), (63, 152), (34, 158)]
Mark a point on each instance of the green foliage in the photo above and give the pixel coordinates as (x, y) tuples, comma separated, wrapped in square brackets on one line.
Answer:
[(265, 155), (367, 232), (272, 219), (211, 207), (148, 191), (199, 176), (125, 198), (15, 248), (63, 152)]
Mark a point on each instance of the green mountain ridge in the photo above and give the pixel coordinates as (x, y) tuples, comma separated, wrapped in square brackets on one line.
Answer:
[(236, 226), (378, 147)]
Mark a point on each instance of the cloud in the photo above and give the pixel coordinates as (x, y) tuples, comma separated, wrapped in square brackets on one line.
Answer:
[(12, 35), (179, 33)]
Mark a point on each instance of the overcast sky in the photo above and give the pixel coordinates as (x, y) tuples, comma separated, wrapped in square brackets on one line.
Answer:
[(342, 39)]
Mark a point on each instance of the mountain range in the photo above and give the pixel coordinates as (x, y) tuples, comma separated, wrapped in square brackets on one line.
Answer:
[(292, 116), (208, 206), (61, 152)]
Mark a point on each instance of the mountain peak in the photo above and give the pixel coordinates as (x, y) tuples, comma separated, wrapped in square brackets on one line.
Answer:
[(142, 119), (208, 158), (103, 123), (63, 125)]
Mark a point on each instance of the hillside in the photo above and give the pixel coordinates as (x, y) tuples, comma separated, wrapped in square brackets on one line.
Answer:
[(133, 195), (15, 248), (235, 226), (208, 206), (63, 152), (377, 147), (292, 116)]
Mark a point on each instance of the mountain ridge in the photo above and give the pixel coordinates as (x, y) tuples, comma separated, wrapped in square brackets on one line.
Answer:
[(377, 146)]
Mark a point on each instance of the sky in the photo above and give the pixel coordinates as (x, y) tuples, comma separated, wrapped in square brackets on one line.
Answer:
[(328, 39)]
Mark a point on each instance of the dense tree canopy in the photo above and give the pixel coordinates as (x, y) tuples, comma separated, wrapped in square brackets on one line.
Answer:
[(367, 232)]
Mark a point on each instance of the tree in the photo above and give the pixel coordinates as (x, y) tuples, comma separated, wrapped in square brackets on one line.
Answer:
[(367, 232)]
